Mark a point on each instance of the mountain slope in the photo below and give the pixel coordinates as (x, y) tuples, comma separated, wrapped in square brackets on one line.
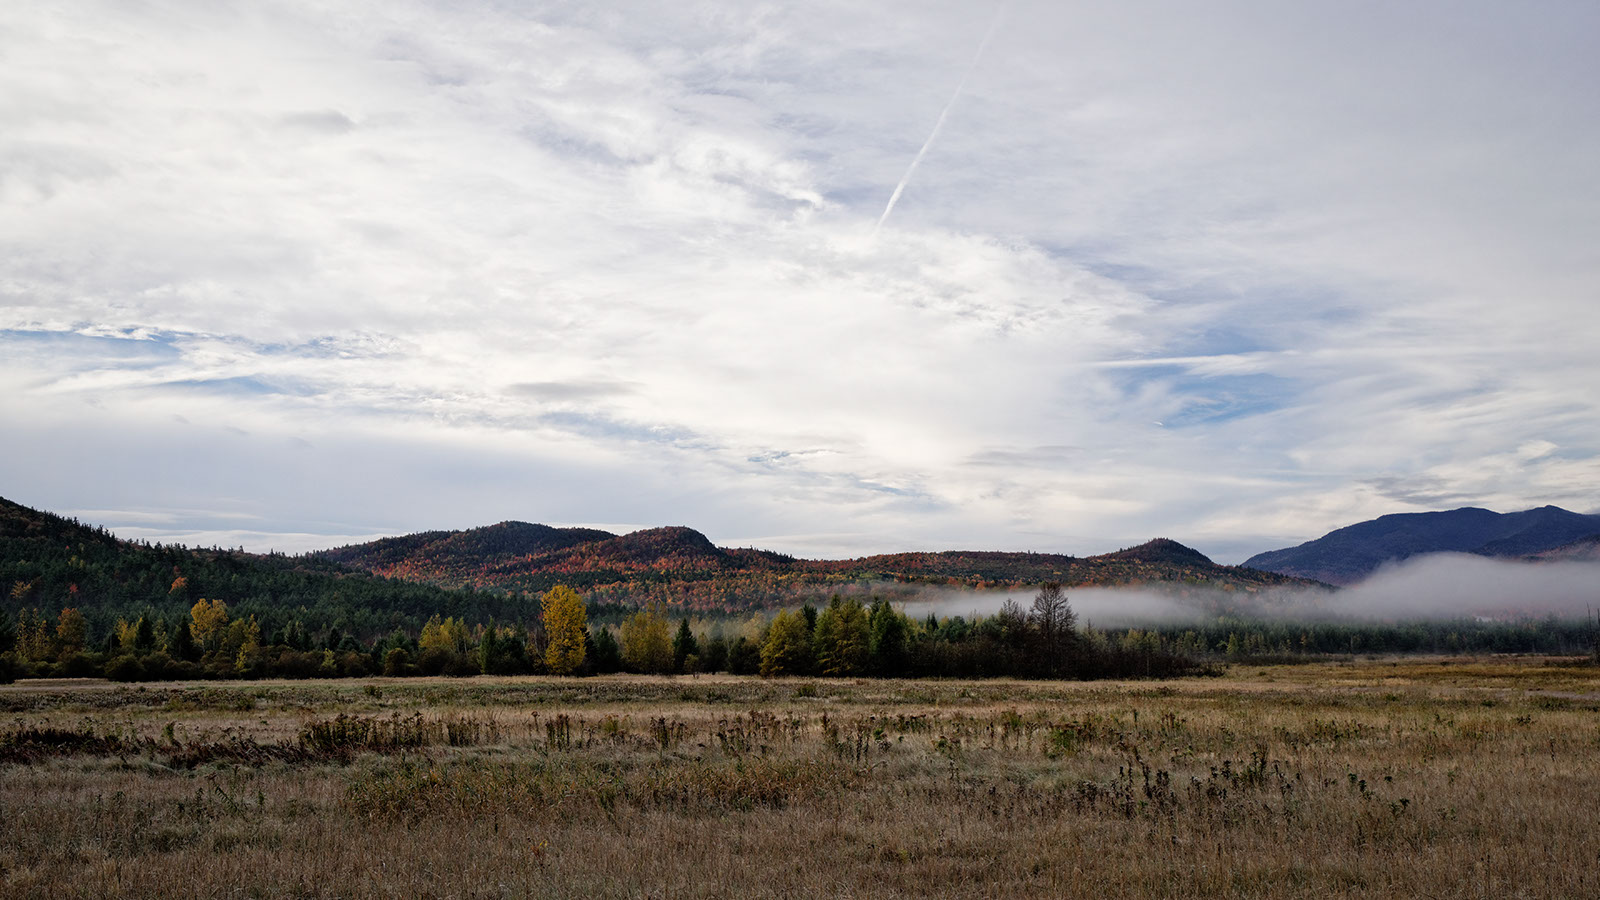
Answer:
[(681, 566), (1582, 550), (462, 553), (1349, 554), (48, 562)]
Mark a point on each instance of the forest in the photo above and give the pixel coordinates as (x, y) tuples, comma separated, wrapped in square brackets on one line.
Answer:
[(82, 603), (842, 638)]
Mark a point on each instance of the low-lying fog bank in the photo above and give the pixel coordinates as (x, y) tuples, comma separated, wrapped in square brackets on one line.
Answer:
[(1436, 586)]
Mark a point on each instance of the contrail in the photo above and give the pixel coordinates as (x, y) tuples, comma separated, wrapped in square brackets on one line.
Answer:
[(894, 198)]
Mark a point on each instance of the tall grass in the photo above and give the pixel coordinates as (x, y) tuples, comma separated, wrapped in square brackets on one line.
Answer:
[(1348, 781)]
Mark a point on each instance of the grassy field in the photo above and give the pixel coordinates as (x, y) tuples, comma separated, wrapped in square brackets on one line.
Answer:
[(1378, 778)]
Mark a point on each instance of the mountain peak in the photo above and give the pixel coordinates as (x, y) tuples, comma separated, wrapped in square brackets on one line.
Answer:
[(1161, 550), (1349, 554)]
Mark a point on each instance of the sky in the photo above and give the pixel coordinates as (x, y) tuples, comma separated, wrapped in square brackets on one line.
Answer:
[(288, 275)]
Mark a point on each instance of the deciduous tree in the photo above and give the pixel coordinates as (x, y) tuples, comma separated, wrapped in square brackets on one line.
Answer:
[(566, 625), (646, 643), (210, 619), (71, 631), (787, 649)]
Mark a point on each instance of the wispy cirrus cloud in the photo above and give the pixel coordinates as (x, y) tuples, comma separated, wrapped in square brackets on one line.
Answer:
[(1232, 275)]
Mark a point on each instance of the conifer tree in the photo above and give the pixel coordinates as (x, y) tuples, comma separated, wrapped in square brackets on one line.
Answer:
[(683, 645), (842, 638), (607, 653), (183, 646)]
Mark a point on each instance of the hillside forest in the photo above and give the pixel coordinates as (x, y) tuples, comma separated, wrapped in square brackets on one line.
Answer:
[(80, 602)]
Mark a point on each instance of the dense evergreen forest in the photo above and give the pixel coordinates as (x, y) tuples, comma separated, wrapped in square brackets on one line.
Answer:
[(48, 563)]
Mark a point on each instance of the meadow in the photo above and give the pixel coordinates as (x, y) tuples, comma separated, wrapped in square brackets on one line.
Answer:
[(1446, 777)]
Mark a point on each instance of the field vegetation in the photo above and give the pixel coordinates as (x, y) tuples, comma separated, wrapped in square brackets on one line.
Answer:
[(1368, 778)]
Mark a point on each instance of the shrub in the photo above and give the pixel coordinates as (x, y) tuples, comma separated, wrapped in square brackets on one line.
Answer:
[(125, 668), (397, 662)]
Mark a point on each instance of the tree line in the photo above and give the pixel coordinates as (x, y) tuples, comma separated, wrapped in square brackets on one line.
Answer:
[(843, 638)]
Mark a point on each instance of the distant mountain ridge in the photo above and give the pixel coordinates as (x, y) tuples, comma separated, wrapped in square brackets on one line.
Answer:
[(1349, 554), (677, 564), (498, 571)]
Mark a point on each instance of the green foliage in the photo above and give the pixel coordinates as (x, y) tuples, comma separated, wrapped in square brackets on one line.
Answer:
[(684, 646), (607, 656), (843, 638), (787, 649), (397, 662), (890, 636), (44, 557)]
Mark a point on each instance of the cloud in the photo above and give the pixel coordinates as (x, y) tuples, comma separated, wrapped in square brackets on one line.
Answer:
[(1437, 586), (569, 391), (630, 248)]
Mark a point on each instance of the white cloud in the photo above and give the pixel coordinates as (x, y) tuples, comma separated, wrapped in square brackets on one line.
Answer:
[(619, 262)]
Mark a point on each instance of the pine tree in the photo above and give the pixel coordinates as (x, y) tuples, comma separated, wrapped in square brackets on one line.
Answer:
[(842, 638), (144, 635), (183, 646), (890, 635), (683, 645), (607, 652)]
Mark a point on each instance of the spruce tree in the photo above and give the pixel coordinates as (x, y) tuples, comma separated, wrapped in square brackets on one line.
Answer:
[(683, 645)]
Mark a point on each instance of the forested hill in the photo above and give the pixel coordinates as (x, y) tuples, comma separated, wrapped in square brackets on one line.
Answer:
[(1349, 554), (48, 562), (679, 565)]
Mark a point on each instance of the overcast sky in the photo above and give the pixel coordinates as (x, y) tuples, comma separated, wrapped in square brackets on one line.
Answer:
[(287, 275)]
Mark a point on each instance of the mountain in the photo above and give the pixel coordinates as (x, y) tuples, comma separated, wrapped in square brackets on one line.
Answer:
[(498, 571), (48, 562), (461, 552), (1161, 550), (681, 566), (1350, 554), (1582, 550)]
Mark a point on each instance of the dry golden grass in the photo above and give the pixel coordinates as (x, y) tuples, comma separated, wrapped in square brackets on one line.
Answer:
[(1385, 778)]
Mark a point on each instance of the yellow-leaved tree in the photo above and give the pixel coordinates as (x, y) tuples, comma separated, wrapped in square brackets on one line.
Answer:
[(646, 642), (210, 623), (448, 634), (566, 626)]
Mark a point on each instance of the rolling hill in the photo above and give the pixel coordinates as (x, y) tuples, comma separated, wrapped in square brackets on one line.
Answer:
[(681, 566), (497, 571), (1350, 554)]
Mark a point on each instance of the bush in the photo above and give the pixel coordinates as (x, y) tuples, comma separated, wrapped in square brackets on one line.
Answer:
[(125, 668), (78, 665), (397, 662), (461, 666), (433, 660)]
